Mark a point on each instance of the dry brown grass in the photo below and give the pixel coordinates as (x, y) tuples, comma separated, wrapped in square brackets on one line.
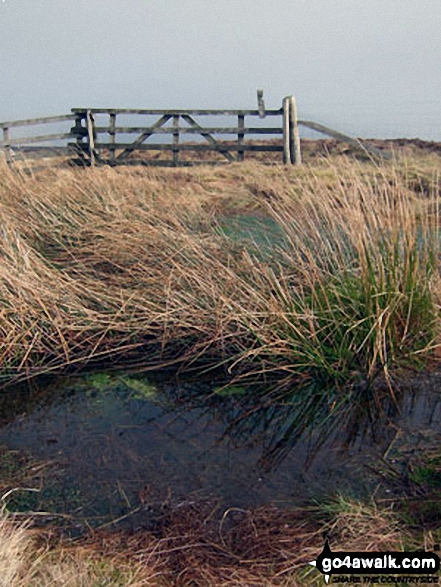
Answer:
[(130, 265), (26, 562), (193, 545)]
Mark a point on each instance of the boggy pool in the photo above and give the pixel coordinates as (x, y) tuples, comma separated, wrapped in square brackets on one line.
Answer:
[(113, 449)]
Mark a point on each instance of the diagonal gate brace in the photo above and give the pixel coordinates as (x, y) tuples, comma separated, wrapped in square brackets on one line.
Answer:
[(145, 135), (210, 138)]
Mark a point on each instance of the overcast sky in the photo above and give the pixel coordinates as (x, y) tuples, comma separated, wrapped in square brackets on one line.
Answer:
[(368, 67)]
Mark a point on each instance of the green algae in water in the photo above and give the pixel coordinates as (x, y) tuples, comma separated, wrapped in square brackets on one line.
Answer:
[(99, 381), (141, 388)]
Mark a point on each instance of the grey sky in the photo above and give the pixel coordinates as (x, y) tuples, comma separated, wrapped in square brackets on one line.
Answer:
[(369, 67)]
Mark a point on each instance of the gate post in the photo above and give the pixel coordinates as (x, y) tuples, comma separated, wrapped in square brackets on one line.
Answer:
[(79, 133), (294, 135), (91, 137), (286, 125)]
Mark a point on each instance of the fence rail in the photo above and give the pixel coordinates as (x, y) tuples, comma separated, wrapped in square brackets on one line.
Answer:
[(178, 132)]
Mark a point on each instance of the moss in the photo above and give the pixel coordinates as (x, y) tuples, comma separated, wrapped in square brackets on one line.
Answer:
[(231, 390)]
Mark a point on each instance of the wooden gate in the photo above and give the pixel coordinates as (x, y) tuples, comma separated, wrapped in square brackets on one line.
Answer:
[(179, 133)]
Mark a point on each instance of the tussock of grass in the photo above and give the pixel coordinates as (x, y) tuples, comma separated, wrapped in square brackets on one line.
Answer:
[(357, 282), (132, 264)]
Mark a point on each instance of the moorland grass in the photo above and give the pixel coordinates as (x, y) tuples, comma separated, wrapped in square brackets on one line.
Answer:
[(132, 266)]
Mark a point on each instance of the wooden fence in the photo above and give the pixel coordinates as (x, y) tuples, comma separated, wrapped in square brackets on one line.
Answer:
[(32, 144), (178, 132)]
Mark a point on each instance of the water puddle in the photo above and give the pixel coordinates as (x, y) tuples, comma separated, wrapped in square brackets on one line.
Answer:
[(120, 447)]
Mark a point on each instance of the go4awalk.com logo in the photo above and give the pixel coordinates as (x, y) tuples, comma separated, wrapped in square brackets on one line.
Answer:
[(417, 567)]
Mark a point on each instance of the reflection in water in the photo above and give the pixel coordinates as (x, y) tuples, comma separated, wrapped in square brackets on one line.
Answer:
[(119, 444)]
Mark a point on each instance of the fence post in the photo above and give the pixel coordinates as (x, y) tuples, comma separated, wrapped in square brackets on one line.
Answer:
[(240, 136), (175, 140), (294, 135), (6, 145), (91, 137), (112, 137), (286, 125)]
